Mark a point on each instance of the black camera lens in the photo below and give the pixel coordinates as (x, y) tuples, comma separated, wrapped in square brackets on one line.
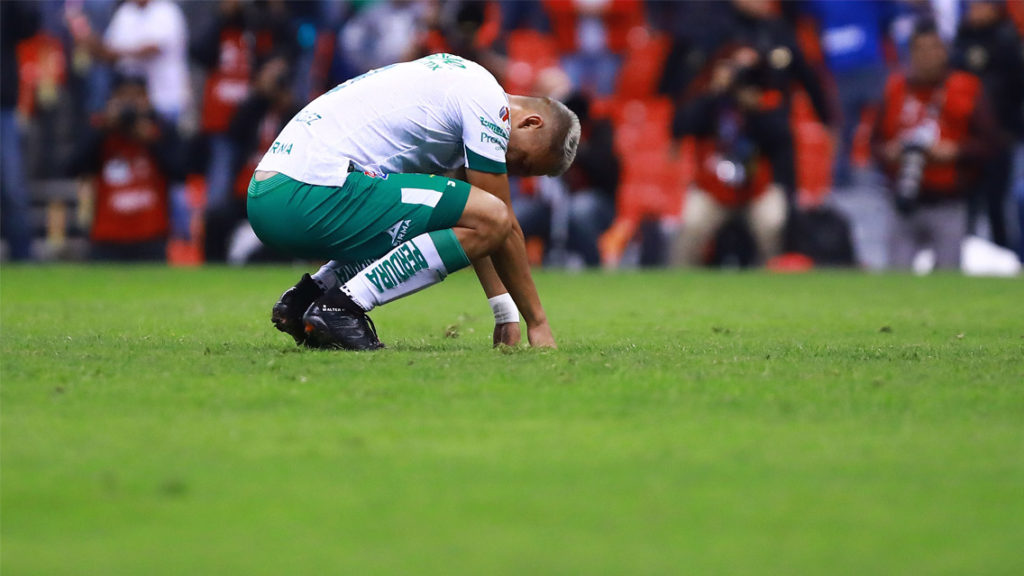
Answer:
[(127, 118)]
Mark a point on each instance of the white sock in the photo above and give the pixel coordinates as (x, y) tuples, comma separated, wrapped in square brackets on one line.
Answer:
[(414, 265), (337, 272)]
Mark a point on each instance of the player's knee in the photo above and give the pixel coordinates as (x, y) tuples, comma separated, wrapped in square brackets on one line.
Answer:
[(497, 219)]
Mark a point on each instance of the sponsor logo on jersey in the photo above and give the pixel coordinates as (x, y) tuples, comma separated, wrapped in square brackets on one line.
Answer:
[(503, 114), (306, 117), (373, 174), (488, 139), (281, 148), (437, 61), (397, 268), (497, 130), (398, 232)]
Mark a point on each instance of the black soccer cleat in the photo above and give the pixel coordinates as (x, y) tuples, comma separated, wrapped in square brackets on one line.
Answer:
[(287, 313), (335, 321)]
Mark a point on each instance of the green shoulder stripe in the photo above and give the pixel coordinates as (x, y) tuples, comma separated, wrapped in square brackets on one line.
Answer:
[(480, 163)]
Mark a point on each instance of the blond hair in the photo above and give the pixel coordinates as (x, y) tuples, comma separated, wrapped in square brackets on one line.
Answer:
[(565, 133)]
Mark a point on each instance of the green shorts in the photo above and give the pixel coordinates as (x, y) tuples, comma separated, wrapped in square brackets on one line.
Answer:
[(363, 219)]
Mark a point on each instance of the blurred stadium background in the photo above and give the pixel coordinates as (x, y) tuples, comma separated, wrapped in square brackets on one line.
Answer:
[(716, 133)]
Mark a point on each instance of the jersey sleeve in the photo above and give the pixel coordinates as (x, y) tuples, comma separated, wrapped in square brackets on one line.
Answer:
[(484, 113)]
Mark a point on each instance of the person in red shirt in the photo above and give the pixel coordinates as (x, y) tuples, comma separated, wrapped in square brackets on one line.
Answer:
[(932, 131), (126, 163), (226, 50)]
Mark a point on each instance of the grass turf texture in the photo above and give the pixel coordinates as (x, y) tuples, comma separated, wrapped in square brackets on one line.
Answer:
[(154, 423)]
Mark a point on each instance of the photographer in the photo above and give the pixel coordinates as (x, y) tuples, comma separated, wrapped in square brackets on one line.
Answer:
[(932, 132), (125, 164), (734, 170), (772, 65)]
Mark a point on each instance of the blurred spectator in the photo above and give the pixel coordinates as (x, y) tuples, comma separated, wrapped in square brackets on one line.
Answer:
[(274, 32), (19, 21), (82, 17), (697, 30), (733, 176), (523, 14), (764, 64), (933, 128), (738, 108), (257, 121), (467, 28), (225, 50), (383, 33), (852, 41), (592, 36), (572, 213), (147, 38), (987, 46), (127, 161)]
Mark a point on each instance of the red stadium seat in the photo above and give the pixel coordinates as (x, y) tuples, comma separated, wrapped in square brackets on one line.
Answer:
[(653, 179), (529, 52), (642, 68), (651, 186), (642, 125), (813, 153)]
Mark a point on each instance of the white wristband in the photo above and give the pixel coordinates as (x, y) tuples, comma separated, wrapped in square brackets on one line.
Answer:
[(504, 309)]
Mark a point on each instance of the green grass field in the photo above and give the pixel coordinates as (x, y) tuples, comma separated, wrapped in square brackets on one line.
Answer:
[(154, 423)]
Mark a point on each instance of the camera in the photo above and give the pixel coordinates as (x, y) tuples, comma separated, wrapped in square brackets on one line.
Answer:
[(912, 162), (127, 118)]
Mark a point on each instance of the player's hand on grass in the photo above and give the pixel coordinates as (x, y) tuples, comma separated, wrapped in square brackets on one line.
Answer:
[(507, 333), (540, 336)]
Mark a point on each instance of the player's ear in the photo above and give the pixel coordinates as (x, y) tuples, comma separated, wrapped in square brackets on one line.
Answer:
[(531, 121)]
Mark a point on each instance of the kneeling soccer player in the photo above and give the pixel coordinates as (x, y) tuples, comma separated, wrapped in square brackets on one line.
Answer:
[(355, 178)]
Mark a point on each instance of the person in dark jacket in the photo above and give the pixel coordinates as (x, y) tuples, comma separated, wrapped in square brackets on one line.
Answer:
[(987, 46), (20, 20), (772, 64)]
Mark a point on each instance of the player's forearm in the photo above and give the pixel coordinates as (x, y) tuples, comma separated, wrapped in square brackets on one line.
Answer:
[(513, 268), (488, 276)]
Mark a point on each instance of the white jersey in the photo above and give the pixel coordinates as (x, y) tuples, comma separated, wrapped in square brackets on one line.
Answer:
[(161, 23), (427, 116)]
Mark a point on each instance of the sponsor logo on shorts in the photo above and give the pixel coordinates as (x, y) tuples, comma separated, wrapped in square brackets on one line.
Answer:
[(373, 174), (397, 268), (398, 232)]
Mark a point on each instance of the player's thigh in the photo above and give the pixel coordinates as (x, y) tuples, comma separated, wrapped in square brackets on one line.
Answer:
[(392, 209)]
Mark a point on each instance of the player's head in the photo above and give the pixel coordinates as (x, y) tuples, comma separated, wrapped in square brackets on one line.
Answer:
[(543, 139)]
